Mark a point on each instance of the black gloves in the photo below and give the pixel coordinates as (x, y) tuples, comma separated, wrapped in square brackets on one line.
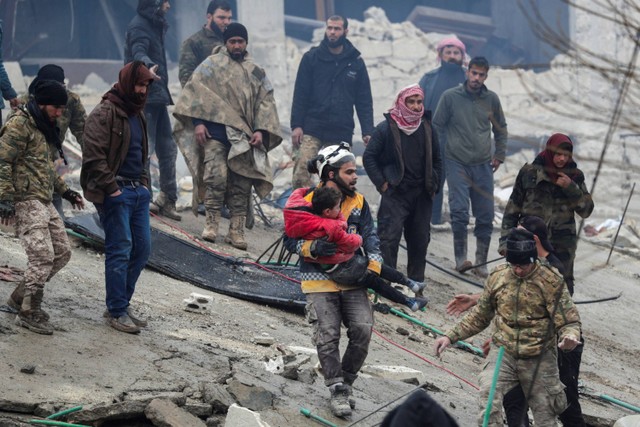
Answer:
[(8, 210), (71, 196), (321, 247)]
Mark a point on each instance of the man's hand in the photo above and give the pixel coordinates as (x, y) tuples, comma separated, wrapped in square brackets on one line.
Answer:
[(563, 180), (118, 192), (384, 187), (495, 164), (256, 139), (74, 198), (321, 247), (7, 212), (14, 103), (296, 137), (441, 344), (366, 139), (154, 71), (202, 134), (486, 347), (568, 343), (461, 303)]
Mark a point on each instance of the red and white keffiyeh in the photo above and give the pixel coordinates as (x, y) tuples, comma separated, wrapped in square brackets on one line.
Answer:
[(408, 120)]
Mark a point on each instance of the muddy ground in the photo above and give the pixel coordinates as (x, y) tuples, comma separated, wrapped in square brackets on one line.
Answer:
[(86, 362)]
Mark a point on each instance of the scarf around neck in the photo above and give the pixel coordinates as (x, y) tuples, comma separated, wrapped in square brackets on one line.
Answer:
[(408, 120), (49, 129)]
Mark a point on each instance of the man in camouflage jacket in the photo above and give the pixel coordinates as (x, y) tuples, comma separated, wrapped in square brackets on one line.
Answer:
[(228, 103), (552, 188), (27, 181), (73, 117), (200, 45), (529, 304)]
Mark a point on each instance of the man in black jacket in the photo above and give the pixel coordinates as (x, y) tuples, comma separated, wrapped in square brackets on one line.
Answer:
[(145, 42), (332, 79), (403, 162)]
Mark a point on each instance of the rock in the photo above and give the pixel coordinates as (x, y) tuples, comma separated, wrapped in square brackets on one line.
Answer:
[(17, 406), (198, 303), (629, 421), (253, 397), (264, 339), (44, 410), (217, 396), (307, 375), (146, 397), (165, 413), (402, 331), (28, 369), (243, 417), (398, 373), (126, 410), (198, 409), (275, 365), (215, 421)]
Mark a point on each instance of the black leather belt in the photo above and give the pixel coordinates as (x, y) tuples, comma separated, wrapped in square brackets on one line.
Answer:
[(126, 182)]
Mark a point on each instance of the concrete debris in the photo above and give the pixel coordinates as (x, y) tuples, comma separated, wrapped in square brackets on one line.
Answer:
[(275, 365), (28, 369), (217, 396), (198, 303), (264, 339), (255, 398), (17, 406), (629, 421), (129, 409), (243, 417), (165, 413), (397, 373)]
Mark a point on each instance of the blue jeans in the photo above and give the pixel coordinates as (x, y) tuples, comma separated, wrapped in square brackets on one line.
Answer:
[(470, 183), (161, 142), (127, 242), (326, 312)]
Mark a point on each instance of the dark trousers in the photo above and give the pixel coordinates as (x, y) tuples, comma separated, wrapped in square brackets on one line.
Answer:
[(515, 404), (161, 142), (408, 210), (379, 284)]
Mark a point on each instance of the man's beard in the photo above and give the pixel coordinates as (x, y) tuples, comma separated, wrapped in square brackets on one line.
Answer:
[(344, 188), (46, 115), (237, 56), (139, 97), (337, 43)]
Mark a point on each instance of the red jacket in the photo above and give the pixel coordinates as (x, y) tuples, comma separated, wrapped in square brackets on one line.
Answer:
[(301, 223)]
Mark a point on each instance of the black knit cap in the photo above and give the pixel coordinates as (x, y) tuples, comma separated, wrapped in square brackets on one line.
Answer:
[(48, 72), (235, 29), (50, 92), (521, 247), (536, 225)]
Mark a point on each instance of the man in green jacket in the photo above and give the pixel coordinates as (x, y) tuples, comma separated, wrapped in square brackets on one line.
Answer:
[(467, 115), (27, 182), (529, 305)]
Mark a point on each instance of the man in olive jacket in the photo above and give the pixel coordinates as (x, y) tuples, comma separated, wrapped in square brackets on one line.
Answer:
[(114, 178)]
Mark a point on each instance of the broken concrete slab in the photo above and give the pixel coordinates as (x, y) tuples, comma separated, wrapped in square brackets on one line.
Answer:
[(126, 410), (17, 406), (165, 413), (217, 396), (175, 396), (243, 417), (253, 397), (198, 408), (397, 373)]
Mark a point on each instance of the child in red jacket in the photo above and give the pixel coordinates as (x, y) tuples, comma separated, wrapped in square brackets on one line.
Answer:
[(321, 219)]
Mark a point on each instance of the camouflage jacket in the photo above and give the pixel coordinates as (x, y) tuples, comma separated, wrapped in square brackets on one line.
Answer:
[(238, 95), (26, 166), (535, 194), (73, 118), (196, 49), (521, 310)]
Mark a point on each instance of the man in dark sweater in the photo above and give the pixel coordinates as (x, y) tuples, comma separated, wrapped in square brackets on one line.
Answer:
[(114, 178), (403, 162), (332, 79), (450, 73)]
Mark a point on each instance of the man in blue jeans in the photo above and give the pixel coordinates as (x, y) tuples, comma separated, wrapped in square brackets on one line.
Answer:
[(467, 114), (114, 178)]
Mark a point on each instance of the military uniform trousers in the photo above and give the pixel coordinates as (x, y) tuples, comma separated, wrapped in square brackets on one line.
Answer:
[(44, 239), (223, 186), (546, 392)]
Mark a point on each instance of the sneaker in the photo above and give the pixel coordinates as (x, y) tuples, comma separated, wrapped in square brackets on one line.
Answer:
[(417, 303), (339, 402), (141, 323), (415, 286), (123, 324)]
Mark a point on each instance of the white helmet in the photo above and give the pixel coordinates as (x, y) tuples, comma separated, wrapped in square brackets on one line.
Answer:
[(334, 155)]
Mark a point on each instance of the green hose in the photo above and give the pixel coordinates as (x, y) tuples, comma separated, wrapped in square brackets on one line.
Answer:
[(492, 390), (56, 423), (619, 402), (65, 412), (307, 413), (466, 345)]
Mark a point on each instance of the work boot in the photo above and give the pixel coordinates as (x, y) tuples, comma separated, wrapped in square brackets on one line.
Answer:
[(460, 252), (417, 303), (210, 231), (236, 233), (352, 401), (138, 321), (167, 207), (339, 402), (482, 250), (123, 323), (16, 297), (31, 315)]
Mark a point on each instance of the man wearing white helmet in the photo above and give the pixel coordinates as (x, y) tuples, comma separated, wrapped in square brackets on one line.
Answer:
[(330, 304)]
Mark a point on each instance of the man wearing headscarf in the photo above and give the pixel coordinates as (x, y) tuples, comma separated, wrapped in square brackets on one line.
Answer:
[(114, 177), (532, 311), (72, 118), (403, 161), (552, 188), (144, 41), (27, 181), (452, 56), (228, 105)]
